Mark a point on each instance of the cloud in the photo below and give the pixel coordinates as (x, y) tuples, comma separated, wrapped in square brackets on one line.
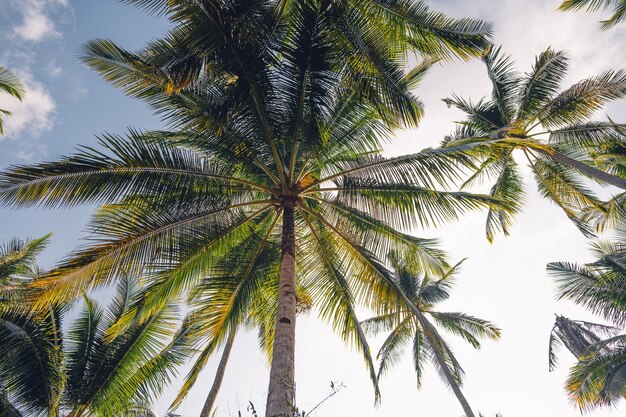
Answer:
[(53, 70), (32, 116), (32, 152), (37, 24)]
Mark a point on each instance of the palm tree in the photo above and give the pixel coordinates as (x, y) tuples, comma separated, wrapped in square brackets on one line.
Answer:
[(576, 335), (45, 370), (416, 324), (619, 9), (11, 85), (551, 128), (599, 377), (278, 112), (262, 311)]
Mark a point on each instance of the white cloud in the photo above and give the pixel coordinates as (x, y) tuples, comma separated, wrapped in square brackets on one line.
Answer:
[(32, 116), (53, 69), (32, 152), (36, 26), (37, 23)]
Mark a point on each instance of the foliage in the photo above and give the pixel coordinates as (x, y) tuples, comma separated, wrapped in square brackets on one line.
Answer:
[(48, 370), (416, 324), (599, 377), (270, 105), (11, 85), (618, 6), (521, 112), (17, 260)]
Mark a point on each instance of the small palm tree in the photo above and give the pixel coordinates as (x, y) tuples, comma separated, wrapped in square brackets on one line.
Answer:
[(550, 128), (416, 324), (618, 6), (599, 377), (12, 86), (280, 111), (45, 370)]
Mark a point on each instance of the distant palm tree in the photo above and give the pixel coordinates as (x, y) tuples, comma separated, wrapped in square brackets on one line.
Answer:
[(416, 323), (618, 6), (86, 371), (551, 129), (599, 377), (280, 111), (10, 85)]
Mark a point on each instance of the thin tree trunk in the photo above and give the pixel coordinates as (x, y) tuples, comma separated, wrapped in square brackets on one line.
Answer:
[(584, 168), (439, 357), (450, 378), (219, 377), (282, 391)]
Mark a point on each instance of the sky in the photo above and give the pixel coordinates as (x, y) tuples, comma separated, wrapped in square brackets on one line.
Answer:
[(67, 105)]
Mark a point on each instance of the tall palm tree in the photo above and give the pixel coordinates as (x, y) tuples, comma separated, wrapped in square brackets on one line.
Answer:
[(599, 377), (261, 313), (11, 85), (552, 129), (618, 6), (45, 370), (279, 111), (416, 324)]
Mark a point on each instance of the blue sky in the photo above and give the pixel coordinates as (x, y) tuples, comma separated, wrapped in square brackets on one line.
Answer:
[(67, 105)]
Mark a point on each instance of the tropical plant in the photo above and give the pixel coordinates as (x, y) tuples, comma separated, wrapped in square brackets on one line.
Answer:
[(551, 128), (618, 6), (206, 298), (11, 85), (599, 376), (416, 324), (279, 111), (576, 335), (610, 156), (85, 371)]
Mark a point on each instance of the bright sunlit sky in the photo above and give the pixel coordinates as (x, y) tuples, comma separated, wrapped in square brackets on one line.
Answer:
[(504, 282)]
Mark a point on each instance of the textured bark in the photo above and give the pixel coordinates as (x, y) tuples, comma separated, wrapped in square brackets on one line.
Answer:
[(585, 169), (450, 378), (282, 390), (219, 377)]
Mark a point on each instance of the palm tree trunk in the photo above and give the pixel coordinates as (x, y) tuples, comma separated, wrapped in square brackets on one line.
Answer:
[(282, 390), (439, 357), (219, 376), (449, 377), (584, 168)]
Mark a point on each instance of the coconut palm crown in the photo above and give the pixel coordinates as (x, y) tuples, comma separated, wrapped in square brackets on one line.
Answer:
[(552, 129), (278, 112), (599, 376), (417, 325)]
